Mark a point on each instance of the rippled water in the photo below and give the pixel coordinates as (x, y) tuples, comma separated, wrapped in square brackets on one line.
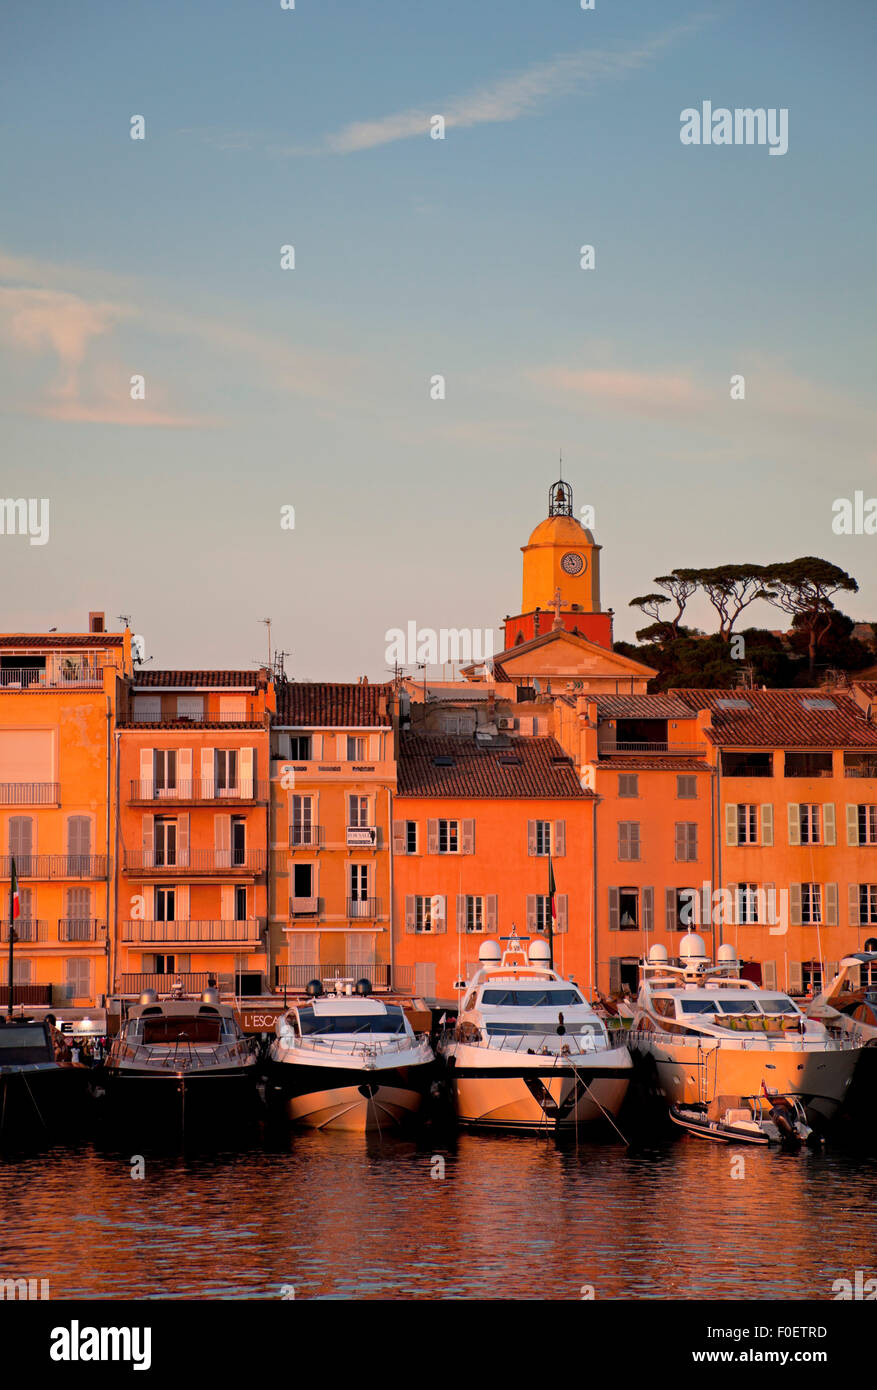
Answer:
[(342, 1216)]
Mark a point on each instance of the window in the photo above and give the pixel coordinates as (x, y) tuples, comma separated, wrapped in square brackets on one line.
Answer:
[(358, 879), (747, 904), (355, 749), (628, 839), (808, 765), (449, 837), (811, 903), (77, 910), (190, 706), (165, 905), (867, 905), (77, 977), (809, 819), (298, 748), (811, 976), (304, 948), (302, 829), (303, 881), (360, 952), (357, 811), (681, 909), (474, 914), (867, 818), (747, 764), (240, 902), (458, 723), (543, 911), (165, 831), (226, 769), (21, 842), (238, 840), (628, 784), (628, 909), (164, 769), (423, 914), (747, 824), (686, 788), (78, 842), (543, 836), (411, 837), (686, 841)]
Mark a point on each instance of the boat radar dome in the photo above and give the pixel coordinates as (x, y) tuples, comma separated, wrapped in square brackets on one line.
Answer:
[(210, 996), (314, 988), (363, 987), (149, 996), (692, 947), (490, 954), (539, 951), (658, 955), (727, 954)]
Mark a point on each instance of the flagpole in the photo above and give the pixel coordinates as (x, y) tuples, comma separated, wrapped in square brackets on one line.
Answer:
[(12, 891)]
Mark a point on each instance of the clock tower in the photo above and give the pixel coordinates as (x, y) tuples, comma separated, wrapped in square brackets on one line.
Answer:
[(561, 579)]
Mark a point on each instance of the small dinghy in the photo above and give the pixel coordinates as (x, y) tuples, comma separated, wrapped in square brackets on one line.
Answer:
[(766, 1119)]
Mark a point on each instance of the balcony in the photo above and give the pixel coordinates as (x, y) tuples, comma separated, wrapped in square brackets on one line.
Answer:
[(380, 975), (72, 676), (201, 789), (248, 932), (26, 929), (193, 982), (196, 861), (304, 907), (28, 995), (30, 793), (54, 866), (860, 765), (650, 749), (305, 836), (248, 719), (80, 928), (363, 907)]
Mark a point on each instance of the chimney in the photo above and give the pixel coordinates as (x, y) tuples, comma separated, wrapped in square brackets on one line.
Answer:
[(96, 622)]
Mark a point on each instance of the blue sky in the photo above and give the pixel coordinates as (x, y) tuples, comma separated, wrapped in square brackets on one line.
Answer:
[(414, 256)]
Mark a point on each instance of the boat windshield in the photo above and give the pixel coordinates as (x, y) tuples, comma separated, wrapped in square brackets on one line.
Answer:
[(172, 1030), (22, 1043), (778, 1006), (698, 1006), (322, 1024), (530, 998), (542, 1030)]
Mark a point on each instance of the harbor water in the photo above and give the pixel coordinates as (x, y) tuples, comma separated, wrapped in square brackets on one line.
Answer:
[(341, 1216)]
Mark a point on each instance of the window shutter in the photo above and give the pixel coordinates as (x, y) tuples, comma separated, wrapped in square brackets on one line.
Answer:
[(247, 771), (439, 913), (671, 921), (147, 766), (796, 977), (461, 912), (21, 837), (852, 825), (148, 895), (681, 840), (769, 974), (531, 912), (181, 903), (374, 748), (468, 846), (562, 923), (490, 911), (79, 835), (222, 841), (795, 904), (208, 761), (648, 909), (767, 824), (623, 840), (226, 902), (634, 840), (410, 914), (400, 838), (854, 904), (184, 771), (559, 838), (831, 904), (829, 830), (614, 913), (432, 837), (148, 841), (183, 840), (794, 823), (692, 841), (730, 823), (770, 903), (614, 975), (531, 837), (830, 972)]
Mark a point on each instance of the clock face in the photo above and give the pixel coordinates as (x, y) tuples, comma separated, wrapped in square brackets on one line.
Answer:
[(572, 563)]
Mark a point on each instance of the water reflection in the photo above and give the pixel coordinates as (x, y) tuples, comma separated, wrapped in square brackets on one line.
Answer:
[(342, 1216)]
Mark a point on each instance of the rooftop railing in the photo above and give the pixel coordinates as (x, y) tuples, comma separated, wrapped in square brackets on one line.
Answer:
[(54, 678)]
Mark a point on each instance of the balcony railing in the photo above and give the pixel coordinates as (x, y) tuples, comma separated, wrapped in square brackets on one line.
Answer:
[(210, 716), (304, 907), (363, 907), (306, 835), (380, 975), (80, 928), (29, 793), (59, 678), (59, 866), (28, 995), (26, 929), (200, 789), (676, 750), (159, 933), (196, 861), (193, 981), (863, 770)]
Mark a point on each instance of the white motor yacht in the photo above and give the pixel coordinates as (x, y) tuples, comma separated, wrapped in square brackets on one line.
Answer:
[(528, 1051), (348, 1061), (717, 1039)]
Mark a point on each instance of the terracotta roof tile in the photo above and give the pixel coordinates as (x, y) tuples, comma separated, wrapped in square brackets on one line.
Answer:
[(781, 719), (642, 707), (223, 679), (61, 641), (476, 770), (659, 763), (327, 704)]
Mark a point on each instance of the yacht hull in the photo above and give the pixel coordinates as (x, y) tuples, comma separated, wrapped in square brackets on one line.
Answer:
[(41, 1100), (210, 1095), (353, 1099), (536, 1093)]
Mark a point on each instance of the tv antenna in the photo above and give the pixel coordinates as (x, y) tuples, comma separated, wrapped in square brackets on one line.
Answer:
[(267, 622)]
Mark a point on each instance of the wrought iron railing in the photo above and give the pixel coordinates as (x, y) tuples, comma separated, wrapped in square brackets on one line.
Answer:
[(80, 928), (26, 929), (195, 861), (363, 907), (29, 793), (199, 789), (54, 865), (306, 835), (380, 975), (220, 930)]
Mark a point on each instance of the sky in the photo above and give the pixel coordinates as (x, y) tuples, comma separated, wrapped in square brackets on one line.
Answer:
[(414, 258)]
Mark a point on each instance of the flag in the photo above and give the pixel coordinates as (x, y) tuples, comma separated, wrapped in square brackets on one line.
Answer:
[(14, 900), (552, 890)]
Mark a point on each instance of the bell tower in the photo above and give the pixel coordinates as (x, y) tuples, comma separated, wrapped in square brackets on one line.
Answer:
[(561, 577)]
